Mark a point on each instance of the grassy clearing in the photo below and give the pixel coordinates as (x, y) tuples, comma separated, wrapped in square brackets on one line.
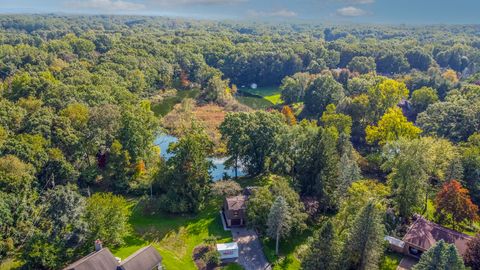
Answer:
[(174, 236), (167, 104), (390, 261), (289, 251), (260, 98)]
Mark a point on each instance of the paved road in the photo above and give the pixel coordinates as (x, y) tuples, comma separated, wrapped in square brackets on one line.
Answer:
[(251, 255)]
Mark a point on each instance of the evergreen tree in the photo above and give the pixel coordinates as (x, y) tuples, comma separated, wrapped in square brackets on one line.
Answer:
[(442, 256), (323, 252), (278, 222), (364, 244)]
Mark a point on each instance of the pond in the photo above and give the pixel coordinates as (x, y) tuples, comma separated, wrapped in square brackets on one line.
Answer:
[(217, 172)]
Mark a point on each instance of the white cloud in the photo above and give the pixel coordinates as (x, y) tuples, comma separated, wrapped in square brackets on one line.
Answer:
[(107, 5), (285, 13), (351, 12)]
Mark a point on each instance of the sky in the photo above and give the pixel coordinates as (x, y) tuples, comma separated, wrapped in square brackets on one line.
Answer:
[(328, 11)]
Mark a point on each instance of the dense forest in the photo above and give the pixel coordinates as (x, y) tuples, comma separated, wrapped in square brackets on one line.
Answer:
[(375, 124)]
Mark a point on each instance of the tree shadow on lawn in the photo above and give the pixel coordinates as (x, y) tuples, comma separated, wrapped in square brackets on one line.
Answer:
[(154, 228)]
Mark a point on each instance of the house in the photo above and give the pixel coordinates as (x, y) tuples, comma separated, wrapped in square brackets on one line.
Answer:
[(146, 258), (423, 234), (234, 210)]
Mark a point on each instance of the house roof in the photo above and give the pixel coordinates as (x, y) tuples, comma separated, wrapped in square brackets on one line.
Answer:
[(99, 260), (424, 234), (145, 258), (236, 202)]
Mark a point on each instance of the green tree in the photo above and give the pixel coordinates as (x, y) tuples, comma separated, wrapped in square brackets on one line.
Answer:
[(408, 167), (422, 98), (293, 88), (278, 223), (324, 90), (342, 122), (442, 256), (107, 217), (364, 244), (362, 64), (358, 195), (418, 59), (471, 166), (186, 180), (260, 202), (250, 136), (324, 250)]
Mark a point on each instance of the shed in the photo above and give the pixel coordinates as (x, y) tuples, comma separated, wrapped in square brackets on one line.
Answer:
[(395, 244), (228, 250), (234, 210), (424, 234)]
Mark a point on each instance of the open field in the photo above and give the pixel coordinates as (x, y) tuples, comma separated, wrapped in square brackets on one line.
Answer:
[(260, 98)]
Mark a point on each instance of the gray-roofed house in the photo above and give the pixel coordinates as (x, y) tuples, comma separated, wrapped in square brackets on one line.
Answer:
[(146, 258), (98, 260)]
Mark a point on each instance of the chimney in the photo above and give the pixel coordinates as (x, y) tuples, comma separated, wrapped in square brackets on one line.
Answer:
[(98, 245)]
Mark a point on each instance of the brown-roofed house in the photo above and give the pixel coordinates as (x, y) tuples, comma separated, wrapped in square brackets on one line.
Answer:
[(234, 210), (146, 258), (423, 234)]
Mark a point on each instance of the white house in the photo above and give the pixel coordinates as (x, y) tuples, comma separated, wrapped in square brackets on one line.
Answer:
[(228, 250)]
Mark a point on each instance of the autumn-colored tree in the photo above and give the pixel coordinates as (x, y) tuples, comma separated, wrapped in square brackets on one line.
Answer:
[(184, 82), (472, 256), (450, 75), (289, 116), (391, 127), (454, 201)]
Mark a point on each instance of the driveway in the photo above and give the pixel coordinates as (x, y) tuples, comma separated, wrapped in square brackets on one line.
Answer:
[(250, 255), (407, 263)]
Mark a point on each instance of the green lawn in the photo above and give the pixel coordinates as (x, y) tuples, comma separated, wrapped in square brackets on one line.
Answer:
[(390, 261), (166, 105), (289, 251), (174, 236), (260, 98)]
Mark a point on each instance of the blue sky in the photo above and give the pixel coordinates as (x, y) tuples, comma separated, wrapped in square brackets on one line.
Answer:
[(338, 11)]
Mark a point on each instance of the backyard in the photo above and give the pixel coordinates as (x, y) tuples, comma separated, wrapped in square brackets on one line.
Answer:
[(174, 236)]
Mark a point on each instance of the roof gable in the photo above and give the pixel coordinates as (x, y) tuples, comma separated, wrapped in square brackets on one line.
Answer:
[(425, 234), (144, 259), (100, 260)]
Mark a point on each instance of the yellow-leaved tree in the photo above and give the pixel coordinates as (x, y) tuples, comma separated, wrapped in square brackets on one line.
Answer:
[(392, 126)]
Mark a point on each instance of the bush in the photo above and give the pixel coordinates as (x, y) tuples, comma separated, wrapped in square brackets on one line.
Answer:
[(211, 257)]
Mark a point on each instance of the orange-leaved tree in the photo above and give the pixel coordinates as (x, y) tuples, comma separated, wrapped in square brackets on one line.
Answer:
[(454, 200), (289, 116)]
